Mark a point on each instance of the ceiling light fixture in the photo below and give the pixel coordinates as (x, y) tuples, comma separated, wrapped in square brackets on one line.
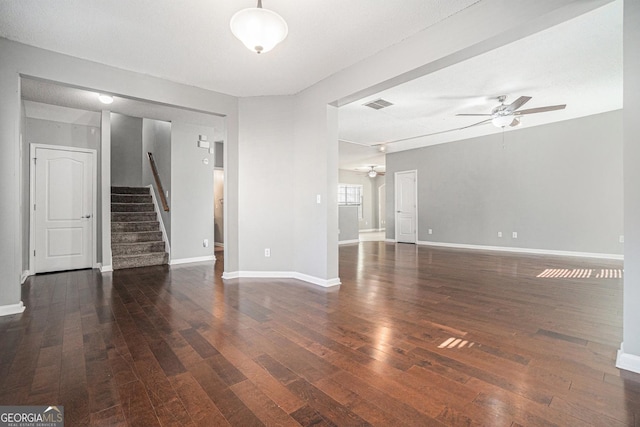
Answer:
[(501, 121), (372, 173), (259, 29), (105, 99)]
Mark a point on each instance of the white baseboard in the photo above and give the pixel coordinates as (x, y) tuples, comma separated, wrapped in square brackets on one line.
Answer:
[(523, 250), (190, 260), (24, 276), (282, 275), (9, 309), (390, 240), (368, 230), (626, 361), (106, 268), (346, 242)]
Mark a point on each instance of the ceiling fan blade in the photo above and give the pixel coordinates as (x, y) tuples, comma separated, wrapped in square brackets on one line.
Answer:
[(541, 109), (517, 103), (487, 115), (431, 134), (475, 124)]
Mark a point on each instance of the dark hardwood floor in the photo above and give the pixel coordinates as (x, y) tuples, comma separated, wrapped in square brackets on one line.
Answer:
[(414, 336)]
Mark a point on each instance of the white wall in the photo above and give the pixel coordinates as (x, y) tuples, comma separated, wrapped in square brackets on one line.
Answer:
[(629, 354), (559, 186)]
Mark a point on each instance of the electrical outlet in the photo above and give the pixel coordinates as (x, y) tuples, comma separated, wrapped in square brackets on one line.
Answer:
[(430, 231), (499, 233), (267, 252), (514, 235), (318, 199), (621, 239), (205, 243)]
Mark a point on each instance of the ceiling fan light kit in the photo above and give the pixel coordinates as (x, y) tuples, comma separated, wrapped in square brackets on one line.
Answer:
[(259, 29)]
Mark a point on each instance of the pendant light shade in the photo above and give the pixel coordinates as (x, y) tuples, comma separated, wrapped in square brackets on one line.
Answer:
[(259, 29)]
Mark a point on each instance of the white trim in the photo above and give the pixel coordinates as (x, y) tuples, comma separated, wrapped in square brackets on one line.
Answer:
[(390, 240), (346, 242), (627, 361), (368, 230), (32, 196), (24, 275), (326, 283), (523, 250), (106, 268), (9, 309), (167, 246), (190, 260)]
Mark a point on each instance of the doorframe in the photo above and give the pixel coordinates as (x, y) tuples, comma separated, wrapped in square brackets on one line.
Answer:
[(382, 210), (32, 198), (395, 203)]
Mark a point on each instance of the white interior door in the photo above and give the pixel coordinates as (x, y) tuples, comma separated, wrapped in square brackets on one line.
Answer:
[(63, 209), (406, 209)]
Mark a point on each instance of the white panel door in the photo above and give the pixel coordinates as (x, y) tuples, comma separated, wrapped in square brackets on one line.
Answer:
[(406, 211), (63, 210)]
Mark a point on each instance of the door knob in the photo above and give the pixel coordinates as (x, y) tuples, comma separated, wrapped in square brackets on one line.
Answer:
[(86, 216)]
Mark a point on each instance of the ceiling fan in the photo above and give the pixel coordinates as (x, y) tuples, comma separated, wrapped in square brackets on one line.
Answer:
[(509, 115), (372, 172), (501, 116)]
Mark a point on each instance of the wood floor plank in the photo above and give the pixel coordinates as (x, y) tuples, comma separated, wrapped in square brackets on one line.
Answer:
[(179, 346)]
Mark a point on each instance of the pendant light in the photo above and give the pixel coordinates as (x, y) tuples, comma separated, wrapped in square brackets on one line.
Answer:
[(259, 29)]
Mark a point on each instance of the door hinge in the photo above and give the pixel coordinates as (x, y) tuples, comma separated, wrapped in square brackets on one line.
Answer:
[(34, 252), (34, 160), (34, 206)]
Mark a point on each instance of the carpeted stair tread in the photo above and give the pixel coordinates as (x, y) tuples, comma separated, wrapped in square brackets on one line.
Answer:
[(133, 216), (131, 226), (131, 198), (132, 207), (144, 260), (137, 236), (129, 190), (137, 248)]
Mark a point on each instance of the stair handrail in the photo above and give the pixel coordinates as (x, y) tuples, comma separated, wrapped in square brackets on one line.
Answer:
[(156, 177)]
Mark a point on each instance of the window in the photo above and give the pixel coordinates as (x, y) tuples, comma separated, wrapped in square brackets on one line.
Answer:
[(351, 195)]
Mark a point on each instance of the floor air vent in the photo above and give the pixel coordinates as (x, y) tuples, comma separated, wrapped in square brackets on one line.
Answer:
[(582, 273)]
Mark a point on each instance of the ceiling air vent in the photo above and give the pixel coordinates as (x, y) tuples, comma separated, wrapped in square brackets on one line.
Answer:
[(378, 104)]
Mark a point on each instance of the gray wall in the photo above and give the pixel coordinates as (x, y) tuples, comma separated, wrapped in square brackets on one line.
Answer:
[(192, 188), (39, 131), (348, 223), (126, 150), (559, 186), (156, 139)]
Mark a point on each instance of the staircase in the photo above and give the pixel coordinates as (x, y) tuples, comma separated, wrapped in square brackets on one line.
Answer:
[(136, 239)]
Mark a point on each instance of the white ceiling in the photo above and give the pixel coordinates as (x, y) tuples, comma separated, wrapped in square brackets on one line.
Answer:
[(190, 42), (578, 62)]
